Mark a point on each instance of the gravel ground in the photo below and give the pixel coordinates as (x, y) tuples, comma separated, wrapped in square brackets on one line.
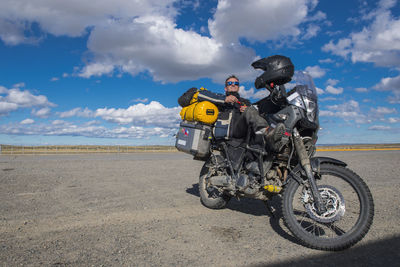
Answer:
[(144, 210)]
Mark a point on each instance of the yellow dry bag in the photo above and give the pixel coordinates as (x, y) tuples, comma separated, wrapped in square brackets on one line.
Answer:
[(204, 111)]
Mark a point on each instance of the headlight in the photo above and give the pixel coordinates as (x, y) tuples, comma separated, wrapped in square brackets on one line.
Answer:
[(311, 116), (311, 108)]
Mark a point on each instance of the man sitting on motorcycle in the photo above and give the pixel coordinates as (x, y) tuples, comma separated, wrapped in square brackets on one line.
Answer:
[(243, 114)]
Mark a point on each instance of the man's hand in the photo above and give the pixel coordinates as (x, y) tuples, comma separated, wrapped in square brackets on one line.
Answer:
[(231, 99)]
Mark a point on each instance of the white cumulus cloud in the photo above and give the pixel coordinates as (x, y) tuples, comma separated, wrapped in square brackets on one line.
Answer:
[(69, 129), (332, 82), (16, 98), (96, 69), (76, 112), (334, 90), (73, 17), (320, 91), (378, 42), (142, 36), (41, 113), (141, 100), (380, 128), (361, 90), (27, 121), (258, 20), (384, 110), (348, 111), (390, 84), (26, 98), (154, 114), (58, 122), (6, 107), (315, 71), (252, 93), (393, 120)]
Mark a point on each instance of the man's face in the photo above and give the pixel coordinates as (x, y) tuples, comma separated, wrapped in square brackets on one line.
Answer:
[(232, 87)]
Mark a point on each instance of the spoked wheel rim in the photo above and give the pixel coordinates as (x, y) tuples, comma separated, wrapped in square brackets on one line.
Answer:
[(210, 196), (332, 223), (348, 212)]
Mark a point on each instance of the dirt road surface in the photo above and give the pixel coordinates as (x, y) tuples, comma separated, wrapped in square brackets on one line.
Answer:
[(144, 210)]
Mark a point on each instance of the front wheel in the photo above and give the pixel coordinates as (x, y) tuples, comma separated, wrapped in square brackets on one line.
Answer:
[(348, 213), (210, 196)]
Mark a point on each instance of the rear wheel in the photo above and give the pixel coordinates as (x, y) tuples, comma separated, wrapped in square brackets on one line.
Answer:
[(211, 196), (348, 213)]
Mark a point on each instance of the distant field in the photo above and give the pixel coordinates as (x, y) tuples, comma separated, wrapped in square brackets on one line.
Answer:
[(18, 150), (14, 150), (359, 147)]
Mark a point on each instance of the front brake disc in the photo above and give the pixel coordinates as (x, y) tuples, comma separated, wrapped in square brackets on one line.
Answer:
[(333, 201)]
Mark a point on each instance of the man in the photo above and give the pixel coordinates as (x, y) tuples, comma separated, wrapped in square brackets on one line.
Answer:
[(243, 114)]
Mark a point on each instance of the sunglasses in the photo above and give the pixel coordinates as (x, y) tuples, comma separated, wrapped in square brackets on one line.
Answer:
[(232, 83)]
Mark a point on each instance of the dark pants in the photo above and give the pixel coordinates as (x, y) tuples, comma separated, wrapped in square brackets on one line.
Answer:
[(249, 118)]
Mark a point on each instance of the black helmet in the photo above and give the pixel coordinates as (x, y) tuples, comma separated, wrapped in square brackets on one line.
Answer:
[(277, 69)]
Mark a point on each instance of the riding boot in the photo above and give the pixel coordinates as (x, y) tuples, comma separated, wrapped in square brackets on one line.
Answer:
[(273, 137)]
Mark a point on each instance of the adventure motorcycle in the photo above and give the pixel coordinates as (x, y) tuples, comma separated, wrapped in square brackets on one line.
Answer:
[(324, 204)]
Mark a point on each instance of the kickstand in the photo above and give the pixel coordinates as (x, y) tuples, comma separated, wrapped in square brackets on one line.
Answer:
[(270, 209)]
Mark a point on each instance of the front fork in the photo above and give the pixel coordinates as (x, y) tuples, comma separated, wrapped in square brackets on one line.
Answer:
[(306, 164)]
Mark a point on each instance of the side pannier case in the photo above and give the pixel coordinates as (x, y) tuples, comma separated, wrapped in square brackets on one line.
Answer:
[(194, 138)]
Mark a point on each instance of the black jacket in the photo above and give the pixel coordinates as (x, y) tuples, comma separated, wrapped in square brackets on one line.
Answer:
[(238, 123), (219, 100)]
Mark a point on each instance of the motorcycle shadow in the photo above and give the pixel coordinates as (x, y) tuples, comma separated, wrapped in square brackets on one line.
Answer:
[(271, 208)]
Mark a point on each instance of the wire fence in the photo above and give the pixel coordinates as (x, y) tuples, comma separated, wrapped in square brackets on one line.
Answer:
[(18, 150)]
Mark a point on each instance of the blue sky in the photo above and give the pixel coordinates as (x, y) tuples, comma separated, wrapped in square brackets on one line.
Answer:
[(110, 73)]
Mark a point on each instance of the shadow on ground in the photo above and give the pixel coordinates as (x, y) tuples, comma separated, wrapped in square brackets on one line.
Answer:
[(194, 190), (271, 208), (378, 253), (383, 252)]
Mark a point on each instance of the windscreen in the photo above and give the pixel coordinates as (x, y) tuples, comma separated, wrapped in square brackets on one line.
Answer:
[(308, 90)]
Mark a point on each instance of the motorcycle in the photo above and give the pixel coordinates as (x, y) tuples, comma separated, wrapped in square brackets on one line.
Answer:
[(324, 204)]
